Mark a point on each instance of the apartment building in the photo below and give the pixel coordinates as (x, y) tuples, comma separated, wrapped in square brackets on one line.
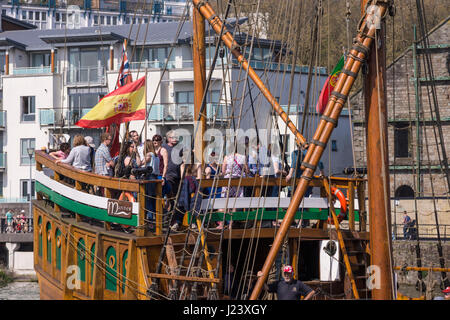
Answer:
[(62, 14)]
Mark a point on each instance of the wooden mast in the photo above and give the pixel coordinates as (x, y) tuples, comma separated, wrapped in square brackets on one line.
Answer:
[(198, 56), (378, 167)]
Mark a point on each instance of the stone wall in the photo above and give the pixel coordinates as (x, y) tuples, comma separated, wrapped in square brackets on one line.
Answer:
[(401, 109), (404, 253)]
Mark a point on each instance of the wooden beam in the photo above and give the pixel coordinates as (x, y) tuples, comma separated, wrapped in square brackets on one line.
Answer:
[(183, 278)]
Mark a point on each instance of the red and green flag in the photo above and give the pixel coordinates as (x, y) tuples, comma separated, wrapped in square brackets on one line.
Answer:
[(329, 85)]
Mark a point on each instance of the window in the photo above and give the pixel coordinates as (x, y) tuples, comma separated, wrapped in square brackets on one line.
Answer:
[(402, 140), (28, 107), (108, 20), (24, 145), (102, 20), (185, 97), (81, 100), (24, 15), (44, 16), (114, 20), (57, 17), (30, 15), (36, 16), (40, 59), (2, 61), (333, 145)]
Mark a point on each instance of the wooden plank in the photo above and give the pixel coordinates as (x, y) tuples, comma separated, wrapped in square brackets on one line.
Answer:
[(263, 181), (70, 261), (171, 257), (351, 205), (182, 278), (132, 272), (97, 276)]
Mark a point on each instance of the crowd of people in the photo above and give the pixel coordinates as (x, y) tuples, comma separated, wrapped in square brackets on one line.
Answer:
[(155, 159), (15, 222)]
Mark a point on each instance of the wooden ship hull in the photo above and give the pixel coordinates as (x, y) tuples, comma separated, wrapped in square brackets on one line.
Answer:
[(79, 255)]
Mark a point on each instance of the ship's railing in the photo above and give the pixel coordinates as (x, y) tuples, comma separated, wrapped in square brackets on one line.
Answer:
[(94, 196), (256, 207)]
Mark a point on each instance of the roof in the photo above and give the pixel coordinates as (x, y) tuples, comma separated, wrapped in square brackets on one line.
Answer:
[(163, 33), (18, 22)]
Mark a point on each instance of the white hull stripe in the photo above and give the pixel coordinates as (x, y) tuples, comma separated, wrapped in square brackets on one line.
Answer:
[(73, 194)]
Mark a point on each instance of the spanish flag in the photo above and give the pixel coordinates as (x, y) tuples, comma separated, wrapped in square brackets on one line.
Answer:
[(123, 104), (329, 86)]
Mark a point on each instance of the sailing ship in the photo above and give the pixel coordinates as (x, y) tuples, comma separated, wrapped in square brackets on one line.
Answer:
[(75, 259)]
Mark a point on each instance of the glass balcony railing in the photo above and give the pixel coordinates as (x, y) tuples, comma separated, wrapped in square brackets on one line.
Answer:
[(2, 160), (185, 112), (32, 70), (86, 76), (50, 117)]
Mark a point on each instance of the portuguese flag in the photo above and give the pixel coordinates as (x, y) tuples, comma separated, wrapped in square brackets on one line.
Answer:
[(123, 104), (329, 85)]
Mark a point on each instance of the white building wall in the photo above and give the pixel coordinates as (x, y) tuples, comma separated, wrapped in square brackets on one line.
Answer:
[(14, 87)]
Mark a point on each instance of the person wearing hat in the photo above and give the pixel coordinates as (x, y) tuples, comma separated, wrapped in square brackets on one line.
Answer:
[(446, 293), (289, 288)]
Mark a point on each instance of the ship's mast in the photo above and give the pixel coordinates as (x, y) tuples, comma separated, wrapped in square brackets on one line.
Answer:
[(198, 57), (378, 166)]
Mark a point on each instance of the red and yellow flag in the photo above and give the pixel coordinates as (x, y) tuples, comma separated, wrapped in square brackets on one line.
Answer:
[(329, 86), (124, 104)]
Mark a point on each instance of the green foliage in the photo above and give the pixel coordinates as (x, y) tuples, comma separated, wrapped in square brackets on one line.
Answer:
[(5, 278)]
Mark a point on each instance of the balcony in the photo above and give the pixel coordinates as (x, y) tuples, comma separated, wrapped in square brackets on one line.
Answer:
[(86, 76), (185, 112), (33, 70), (61, 118)]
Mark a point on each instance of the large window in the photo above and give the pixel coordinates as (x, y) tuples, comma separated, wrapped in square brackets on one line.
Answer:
[(40, 59), (24, 145), (402, 140), (81, 100), (87, 65), (157, 56), (28, 108), (24, 189)]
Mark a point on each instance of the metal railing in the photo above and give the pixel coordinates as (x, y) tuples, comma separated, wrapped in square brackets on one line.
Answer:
[(185, 112), (86, 76), (421, 232), (61, 117), (16, 225)]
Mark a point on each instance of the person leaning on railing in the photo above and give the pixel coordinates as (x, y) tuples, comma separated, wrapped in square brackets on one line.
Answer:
[(80, 155)]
